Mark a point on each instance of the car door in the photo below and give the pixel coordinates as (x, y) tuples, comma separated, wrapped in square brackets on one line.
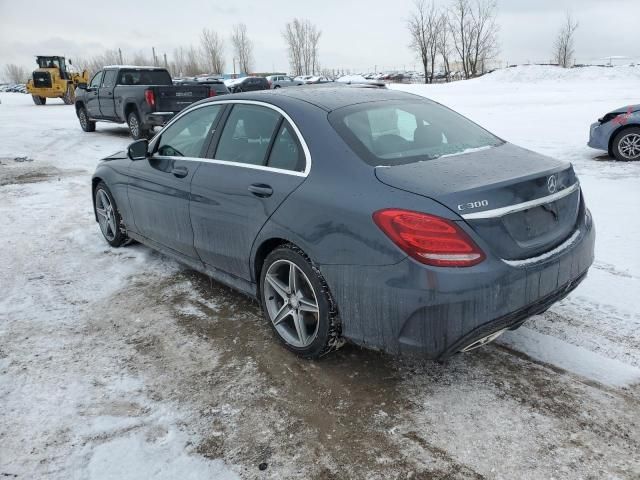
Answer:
[(92, 100), (159, 186), (105, 94), (258, 160)]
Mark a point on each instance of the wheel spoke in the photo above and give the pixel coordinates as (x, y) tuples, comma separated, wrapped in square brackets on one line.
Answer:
[(307, 305), (301, 328), (278, 286), (284, 312), (293, 288), (101, 212)]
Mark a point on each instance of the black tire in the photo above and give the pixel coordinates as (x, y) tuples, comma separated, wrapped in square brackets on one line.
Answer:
[(618, 144), (39, 100), (69, 97), (119, 237), (86, 123), (328, 336), (277, 86), (136, 128)]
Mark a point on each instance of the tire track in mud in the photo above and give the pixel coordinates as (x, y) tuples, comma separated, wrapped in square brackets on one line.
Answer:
[(335, 418), (361, 414)]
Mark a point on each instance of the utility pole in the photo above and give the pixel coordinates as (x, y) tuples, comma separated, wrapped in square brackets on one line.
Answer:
[(166, 65), (120, 56), (155, 59)]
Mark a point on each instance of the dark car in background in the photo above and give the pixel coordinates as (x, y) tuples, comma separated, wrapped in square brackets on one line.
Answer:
[(248, 84), (368, 215), (143, 97)]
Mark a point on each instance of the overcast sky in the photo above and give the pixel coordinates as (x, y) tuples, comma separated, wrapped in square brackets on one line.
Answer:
[(356, 34)]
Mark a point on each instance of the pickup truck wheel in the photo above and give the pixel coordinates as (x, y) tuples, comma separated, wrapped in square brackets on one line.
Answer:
[(69, 97), (85, 123), (39, 100), (135, 127)]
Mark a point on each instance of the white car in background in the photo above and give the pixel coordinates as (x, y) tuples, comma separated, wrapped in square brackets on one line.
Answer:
[(278, 81)]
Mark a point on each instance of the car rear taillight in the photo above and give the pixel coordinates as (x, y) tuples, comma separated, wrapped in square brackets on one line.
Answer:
[(429, 239), (212, 92), (150, 98)]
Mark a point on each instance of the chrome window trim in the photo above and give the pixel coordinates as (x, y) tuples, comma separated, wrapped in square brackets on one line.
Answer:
[(303, 143), (501, 212)]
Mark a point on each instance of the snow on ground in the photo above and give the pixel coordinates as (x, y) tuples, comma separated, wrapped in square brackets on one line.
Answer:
[(120, 363)]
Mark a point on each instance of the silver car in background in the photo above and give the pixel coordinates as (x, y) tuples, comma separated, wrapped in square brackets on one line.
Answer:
[(278, 81)]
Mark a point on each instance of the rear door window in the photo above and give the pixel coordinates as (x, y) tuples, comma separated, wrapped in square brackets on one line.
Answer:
[(109, 78), (286, 152), (247, 134)]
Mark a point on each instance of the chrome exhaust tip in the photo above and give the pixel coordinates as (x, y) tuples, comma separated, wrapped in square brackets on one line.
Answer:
[(483, 341)]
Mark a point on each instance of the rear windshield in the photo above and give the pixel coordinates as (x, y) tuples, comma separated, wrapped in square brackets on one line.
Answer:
[(144, 77), (398, 132)]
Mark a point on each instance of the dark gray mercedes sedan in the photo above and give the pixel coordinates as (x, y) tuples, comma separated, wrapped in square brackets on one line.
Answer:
[(372, 216)]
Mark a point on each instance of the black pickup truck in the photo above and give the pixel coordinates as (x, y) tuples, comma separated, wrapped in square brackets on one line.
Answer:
[(143, 97)]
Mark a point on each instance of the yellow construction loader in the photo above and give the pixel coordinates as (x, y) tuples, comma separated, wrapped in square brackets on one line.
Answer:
[(53, 79)]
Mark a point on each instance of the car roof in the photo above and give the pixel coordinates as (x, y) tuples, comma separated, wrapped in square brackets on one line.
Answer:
[(327, 98)]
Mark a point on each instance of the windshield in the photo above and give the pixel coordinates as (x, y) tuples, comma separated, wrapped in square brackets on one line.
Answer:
[(393, 133)]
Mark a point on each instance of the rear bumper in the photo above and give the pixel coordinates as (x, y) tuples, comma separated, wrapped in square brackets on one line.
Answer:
[(158, 119), (409, 308)]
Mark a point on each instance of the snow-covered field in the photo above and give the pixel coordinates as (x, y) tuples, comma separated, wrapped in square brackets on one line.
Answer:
[(120, 363)]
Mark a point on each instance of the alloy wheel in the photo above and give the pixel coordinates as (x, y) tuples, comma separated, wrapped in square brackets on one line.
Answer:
[(291, 303), (106, 215), (629, 146)]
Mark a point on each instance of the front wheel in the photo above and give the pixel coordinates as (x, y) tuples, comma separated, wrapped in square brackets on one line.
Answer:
[(38, 100), (626, 144), (297, 303), (86, 123), (108, 216)]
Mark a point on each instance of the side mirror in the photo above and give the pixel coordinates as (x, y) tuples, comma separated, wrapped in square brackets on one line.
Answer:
[(138, 150), (82, 86)]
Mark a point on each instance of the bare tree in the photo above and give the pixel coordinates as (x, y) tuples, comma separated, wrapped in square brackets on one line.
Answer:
[(242, 47), (564, 46), (302, 39), (475, 33), (212, 46), (140, 58), (424, 24), (15, 73), (443, 44), (97, 62), (484, 41)]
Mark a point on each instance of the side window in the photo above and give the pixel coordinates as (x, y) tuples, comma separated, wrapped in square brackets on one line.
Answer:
[(95, 81), (286, 152), (247, 134), (186, 136), (109, 78)]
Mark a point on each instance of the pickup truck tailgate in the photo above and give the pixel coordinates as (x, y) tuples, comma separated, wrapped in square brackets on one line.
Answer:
[(176, 97)]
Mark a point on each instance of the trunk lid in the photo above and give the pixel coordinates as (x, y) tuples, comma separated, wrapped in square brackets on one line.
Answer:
[(176, 97), (520, 203)]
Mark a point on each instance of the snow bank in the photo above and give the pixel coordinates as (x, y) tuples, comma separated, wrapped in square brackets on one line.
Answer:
[(549, 73), (581, 361)]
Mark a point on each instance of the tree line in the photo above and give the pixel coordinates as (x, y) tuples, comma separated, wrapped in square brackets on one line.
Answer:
[(462, 36)]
